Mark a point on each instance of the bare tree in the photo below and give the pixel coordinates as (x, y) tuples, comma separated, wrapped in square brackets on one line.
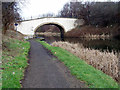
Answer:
[(48, 15), (76, 10), (103, 14), (94, 13), (10, 14)]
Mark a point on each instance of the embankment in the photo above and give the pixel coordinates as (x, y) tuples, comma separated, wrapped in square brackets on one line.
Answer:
[(95, 32), (92, 77), (14, 59), (105, 61)]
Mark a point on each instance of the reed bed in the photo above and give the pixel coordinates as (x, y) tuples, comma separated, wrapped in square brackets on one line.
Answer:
[(103, 36), (105, 61)]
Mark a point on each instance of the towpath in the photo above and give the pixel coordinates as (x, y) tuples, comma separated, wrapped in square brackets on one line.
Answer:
[(45, 71)]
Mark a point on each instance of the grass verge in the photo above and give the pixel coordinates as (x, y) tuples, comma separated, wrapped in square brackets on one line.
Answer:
[(92, 77), (105, 61), (14, 62)]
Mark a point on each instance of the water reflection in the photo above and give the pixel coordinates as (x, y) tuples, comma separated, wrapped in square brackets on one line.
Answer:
[(111, 45)]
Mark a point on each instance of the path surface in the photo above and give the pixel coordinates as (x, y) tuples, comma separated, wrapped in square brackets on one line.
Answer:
[(46, 72)]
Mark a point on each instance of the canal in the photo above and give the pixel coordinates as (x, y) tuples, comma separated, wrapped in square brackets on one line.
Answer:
[(99, 44)]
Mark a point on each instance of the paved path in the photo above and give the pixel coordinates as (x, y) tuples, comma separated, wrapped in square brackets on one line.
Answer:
[(46, 72)]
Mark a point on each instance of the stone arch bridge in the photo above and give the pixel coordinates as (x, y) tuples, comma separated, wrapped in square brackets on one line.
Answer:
[(28, 27)]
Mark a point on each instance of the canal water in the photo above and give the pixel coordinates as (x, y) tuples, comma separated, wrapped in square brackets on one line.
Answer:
[(100, 44)]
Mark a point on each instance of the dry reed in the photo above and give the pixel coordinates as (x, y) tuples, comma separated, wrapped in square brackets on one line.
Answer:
[(103, 36), (104, 61), (48, 34)]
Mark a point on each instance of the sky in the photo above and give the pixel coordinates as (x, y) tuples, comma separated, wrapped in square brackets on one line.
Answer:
[(35, 8)]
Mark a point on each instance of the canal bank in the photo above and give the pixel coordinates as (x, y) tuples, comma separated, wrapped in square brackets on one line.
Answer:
[(81, 70)]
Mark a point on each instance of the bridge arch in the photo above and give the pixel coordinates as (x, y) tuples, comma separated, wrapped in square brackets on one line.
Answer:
[(28, 27), (61, 28)]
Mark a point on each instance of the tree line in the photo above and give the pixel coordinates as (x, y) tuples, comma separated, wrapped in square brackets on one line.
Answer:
[(94, 13)]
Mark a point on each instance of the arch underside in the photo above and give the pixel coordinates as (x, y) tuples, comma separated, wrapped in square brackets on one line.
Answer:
[(62, 30)]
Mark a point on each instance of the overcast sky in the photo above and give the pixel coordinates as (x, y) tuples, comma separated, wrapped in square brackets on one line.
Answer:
[(35, 8), (38, 7)]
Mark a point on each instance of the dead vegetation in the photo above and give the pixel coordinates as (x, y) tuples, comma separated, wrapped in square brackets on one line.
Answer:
[(9, 35), (104, 61), (87, 31), (48, 34), (13, 34)]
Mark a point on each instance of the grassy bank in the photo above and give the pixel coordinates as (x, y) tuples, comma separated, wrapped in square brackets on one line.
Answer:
[(104, 61), (14, 61), (91, 76)]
